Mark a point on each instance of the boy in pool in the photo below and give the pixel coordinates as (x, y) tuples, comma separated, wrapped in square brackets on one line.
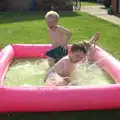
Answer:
[(59, 74), (57, 36)]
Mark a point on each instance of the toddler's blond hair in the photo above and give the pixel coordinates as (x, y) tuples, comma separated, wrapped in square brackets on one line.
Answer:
[(52, 14)]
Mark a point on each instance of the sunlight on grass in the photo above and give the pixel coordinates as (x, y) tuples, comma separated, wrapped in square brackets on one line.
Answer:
[(88, 3), (30, 27)]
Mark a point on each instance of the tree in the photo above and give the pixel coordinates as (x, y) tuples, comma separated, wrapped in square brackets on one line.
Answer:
[(107, 3)]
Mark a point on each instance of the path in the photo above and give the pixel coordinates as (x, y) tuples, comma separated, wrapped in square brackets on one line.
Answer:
[(101, 12)]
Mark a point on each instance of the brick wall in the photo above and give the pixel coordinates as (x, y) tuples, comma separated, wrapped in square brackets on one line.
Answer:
[(114, 6), (39, 4), (18, 4), (3, 5), (60, 4)]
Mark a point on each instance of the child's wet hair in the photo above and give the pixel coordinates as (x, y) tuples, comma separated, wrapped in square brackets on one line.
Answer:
[(81, 47), (52, 14)]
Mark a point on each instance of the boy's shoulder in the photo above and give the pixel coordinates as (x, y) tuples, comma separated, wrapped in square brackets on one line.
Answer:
[(59, 26), (66, 58)]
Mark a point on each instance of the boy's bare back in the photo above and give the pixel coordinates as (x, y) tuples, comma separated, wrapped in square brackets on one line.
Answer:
[(64, 67)]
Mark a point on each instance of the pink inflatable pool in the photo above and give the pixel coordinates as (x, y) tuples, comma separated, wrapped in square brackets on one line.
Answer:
[(67, 98)]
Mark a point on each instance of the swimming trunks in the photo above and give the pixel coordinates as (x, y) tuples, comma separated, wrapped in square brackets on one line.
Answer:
[(49, 75), (57, 53)]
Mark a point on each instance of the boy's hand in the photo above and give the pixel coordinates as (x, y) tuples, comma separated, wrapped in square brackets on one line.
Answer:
[(61, 83), (64, 47), (67, 79)]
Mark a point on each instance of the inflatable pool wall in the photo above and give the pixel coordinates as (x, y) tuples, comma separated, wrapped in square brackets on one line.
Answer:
[(54, 98)]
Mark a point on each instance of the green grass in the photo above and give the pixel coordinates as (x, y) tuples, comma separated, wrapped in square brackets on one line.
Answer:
[(76, 115), (30, 27), (88, 3)]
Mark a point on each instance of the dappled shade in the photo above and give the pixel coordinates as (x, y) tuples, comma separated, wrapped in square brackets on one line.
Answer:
[(11, 17)]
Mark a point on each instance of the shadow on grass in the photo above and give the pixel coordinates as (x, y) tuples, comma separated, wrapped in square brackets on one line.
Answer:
[(11, 17), (76, 115)]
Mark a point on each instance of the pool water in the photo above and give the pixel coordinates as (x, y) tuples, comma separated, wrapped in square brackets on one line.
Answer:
[(90, 74), (26, 72), (31, 72)]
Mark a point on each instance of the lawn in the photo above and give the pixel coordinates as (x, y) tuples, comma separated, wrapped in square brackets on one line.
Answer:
[(89, 3), (30, 27)]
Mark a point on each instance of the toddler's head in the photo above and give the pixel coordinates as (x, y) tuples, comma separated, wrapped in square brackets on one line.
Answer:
[(52, 19)]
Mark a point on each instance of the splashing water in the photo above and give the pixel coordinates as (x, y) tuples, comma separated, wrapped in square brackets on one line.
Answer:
[(31, 72), (90, 74), (26, 72)]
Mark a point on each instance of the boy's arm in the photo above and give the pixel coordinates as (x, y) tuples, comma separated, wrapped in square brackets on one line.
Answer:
[(66, 68), (66, 32)]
